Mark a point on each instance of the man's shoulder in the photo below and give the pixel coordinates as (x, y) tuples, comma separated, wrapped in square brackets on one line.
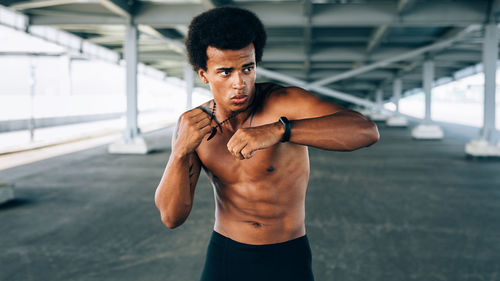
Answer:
[(268, 88), (275, 93), (206, 107)]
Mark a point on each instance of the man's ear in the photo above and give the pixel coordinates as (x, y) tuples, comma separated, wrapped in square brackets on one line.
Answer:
[(203, 75)]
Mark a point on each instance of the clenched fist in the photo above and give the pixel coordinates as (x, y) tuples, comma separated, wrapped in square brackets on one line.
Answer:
[(192, 126), (246, 141)]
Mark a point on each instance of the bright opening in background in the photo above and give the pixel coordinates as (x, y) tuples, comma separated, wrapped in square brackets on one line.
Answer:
[(55, 84), (459, 102)]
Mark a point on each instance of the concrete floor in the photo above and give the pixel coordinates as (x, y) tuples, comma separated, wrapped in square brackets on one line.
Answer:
[(399, 210)]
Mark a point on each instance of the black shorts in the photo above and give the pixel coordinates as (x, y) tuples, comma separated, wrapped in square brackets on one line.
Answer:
[(229, 260)]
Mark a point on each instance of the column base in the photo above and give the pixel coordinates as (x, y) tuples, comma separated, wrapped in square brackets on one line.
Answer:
[(481, 148), (6, 192), (139, 145), (427, 132), (397, 121)]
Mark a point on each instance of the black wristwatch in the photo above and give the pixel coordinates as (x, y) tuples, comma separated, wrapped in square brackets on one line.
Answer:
[(287, 126)]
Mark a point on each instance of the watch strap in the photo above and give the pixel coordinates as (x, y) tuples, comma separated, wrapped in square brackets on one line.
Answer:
[(287, 127)]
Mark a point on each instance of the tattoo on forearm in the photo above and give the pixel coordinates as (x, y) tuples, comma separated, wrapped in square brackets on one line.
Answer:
[(191, 174), (191, 171)]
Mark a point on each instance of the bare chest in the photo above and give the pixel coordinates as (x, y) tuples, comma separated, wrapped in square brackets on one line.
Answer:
[(230, 170)]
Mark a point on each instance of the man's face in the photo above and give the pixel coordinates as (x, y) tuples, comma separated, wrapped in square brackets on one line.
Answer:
[(231, 76)]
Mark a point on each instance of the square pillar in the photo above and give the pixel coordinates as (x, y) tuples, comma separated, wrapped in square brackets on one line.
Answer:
[(189, 80), (397, 120), (490, 57), (378, 112), (131, 36), (428, 77), (397, 87), (427, 130), (486, 144), (131, 142)]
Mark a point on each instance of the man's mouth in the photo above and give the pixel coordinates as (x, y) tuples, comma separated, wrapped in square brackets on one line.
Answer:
[(239, 99)]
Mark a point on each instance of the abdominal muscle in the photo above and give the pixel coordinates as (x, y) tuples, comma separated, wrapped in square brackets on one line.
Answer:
[(251, 228), (264, 209)]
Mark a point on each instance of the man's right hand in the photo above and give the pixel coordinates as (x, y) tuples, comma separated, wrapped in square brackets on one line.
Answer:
[(192, 126)]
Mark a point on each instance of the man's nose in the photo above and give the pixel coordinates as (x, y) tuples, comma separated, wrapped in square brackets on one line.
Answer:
[(238, 81)]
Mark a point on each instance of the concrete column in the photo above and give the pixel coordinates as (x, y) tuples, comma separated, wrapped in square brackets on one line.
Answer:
[(70, 75), (487, 145), (132, 142), (490, 57), (426, 130), (131, 36), (31, 122), (428, 77), (397, 120), (378, 111), (189, 79), (397, 87), (379, 95), (65, 81)]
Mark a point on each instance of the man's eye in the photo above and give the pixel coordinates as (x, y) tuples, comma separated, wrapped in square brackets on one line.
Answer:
[(248, 69), (224, 73)]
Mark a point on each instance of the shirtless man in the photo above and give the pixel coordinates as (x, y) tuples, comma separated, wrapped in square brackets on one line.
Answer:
[(256, 160)]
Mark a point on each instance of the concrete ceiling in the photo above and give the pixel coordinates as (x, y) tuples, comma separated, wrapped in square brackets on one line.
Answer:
[(350, 46)]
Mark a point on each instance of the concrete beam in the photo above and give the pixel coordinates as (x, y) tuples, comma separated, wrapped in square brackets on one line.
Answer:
[(322, 90), (459, 56), (208, 4), (7, 3), (54, 18), (25, 5), (157, 56), (493, 11), (378, 35), (432, 47), (158, 15), (119, 7), (404, 6), (459, 13), (178, 46)]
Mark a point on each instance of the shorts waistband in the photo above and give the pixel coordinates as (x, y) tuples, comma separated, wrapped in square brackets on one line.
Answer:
[(217, 237)]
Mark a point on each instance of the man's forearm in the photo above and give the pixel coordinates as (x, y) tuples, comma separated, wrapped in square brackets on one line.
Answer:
[(173, 196), (345, 131)]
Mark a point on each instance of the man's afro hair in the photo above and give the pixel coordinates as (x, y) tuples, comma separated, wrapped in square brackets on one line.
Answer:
[(224, 28)]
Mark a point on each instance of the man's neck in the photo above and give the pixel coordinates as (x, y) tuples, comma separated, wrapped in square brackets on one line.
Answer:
[(238, 117)]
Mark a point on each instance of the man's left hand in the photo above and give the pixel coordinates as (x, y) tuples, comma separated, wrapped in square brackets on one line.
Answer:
[(246, 141)]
